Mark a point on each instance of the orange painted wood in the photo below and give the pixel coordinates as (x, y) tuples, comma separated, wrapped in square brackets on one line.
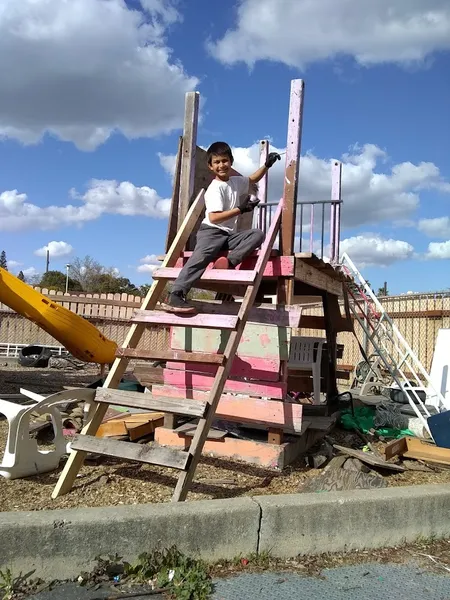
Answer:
[(159, 317), (277, 266), (204, 382), (211, 275), (258, 369), (268, 413)]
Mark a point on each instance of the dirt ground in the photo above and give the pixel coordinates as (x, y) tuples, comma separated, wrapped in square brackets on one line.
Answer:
[(115, 482)]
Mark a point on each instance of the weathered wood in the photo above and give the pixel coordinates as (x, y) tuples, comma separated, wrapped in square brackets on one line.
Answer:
[(185, 479), (330, 310), (175, 204), (315, 278), (278, 266), (370, 459), (190, 428), (266, 413), (262, 314), (153, 455), (213, 275), (76, 458), (147, 401), (188, 153), (259, 341), (156, 354), (336, 480), (257, 369), (153, 374), (159, 317), (188, 380)]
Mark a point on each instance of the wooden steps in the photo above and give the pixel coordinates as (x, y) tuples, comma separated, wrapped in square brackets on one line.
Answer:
[(168, 355), (154, 455), (210, 275), (159, 317), (189, 408)]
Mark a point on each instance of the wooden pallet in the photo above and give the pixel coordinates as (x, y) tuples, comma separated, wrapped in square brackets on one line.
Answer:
[(232, 319)]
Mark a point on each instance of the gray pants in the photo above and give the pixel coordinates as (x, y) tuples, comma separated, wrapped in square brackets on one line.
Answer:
[(210, 242)]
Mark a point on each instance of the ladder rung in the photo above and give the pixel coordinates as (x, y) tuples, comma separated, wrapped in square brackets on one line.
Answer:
[(169, 355), (211, 275), (146, 401), (159, 317), (154, 455), (188, 253)]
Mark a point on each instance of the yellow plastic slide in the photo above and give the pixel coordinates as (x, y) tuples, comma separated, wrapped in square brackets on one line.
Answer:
[(75, 333)]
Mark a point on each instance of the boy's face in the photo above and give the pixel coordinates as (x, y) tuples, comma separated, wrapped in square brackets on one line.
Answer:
[(220, 166)]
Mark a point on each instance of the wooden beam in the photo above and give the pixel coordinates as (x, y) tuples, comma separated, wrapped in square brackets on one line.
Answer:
[(166, 355), (159, 317), (188, 153), (213, 275), (293, 150), (316, 278), (172, 227), (330, 310), (261, 313)]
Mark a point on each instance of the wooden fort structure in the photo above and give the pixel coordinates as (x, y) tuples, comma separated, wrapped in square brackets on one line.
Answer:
[(230, 362)]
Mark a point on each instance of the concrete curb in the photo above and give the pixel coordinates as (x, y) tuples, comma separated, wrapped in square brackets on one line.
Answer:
[(62, 543)]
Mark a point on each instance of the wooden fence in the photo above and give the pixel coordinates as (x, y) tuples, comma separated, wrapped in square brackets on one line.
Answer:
[(418, 317)]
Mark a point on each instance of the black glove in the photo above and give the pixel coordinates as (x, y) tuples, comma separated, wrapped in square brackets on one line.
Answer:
[(272, 159), (248, 205)]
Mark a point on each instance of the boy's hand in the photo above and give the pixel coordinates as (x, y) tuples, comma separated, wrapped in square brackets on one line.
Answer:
[(248, 205), (272, 159)]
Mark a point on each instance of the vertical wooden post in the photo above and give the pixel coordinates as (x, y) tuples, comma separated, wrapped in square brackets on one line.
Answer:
[(188, 153), (293, 150), (263, 186), (335, 217)]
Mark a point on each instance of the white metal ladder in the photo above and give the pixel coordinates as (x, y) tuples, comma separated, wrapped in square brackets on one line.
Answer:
[(397, 356)]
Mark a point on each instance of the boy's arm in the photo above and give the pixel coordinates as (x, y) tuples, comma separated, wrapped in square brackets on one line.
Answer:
[(259, 174), (214, 208)]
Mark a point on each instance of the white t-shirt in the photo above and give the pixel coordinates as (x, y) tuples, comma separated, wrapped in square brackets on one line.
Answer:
[(224, 195)]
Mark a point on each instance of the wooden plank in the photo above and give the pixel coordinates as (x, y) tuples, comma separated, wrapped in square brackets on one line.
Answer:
[(153, 455), (417, 449), (315, 278), (189, 429), (156, 354), (258, 369), (213, 275), (278, 266), (205, 382), (76, 458), (159, 317), (370, 459), (138, 430), (195, 450), (153, 374), (188, 153), (259, 341), (267, 413), (146, 401), (262, 313), (332, 318), (175, 204)]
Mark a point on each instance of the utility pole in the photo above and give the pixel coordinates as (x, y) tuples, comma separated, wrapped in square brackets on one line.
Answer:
[(67, 277), (48, 261)]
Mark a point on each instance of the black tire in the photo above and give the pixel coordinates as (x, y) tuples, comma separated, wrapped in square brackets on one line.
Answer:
[(35, 356)]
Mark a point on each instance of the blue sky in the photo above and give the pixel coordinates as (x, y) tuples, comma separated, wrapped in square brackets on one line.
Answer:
[(92, 105)]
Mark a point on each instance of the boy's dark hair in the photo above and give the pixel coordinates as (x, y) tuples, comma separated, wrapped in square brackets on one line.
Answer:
[(219, 149)]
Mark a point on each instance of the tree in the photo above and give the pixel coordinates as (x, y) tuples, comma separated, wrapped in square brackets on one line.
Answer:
[(55, 280), (108, 284), (3, 261), (383, 291), (21, 276)]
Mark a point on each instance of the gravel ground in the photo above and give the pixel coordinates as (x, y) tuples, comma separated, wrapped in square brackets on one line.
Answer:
[(114, 482)]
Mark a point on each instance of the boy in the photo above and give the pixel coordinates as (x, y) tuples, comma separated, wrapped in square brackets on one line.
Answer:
[(217, 231)]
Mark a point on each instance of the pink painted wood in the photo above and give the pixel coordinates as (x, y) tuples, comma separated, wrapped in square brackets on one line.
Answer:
[(257, 369), (159, 317), (231, 276), (278, 266), (280, 315), (205, 382), (271, 413)]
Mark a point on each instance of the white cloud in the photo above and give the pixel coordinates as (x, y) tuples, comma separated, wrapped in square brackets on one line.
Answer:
[(85, 69), (438, 228), (55, 249), (438, 250), (370, 196), (148, 264), (370, 249), (299, 32), (102, 197), (14, 263), (30, 272)]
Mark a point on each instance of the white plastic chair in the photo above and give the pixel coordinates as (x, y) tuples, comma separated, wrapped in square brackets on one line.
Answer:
[(305, 354), (22, 456)]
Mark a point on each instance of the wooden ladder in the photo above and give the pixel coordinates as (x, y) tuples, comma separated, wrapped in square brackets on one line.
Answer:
[(185, 461)]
